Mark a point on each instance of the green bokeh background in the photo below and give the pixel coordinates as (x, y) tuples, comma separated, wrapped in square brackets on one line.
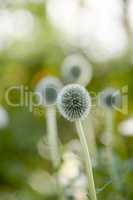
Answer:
[(23, 63)]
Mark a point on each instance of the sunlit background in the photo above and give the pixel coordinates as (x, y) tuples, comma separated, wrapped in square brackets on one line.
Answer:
[(35, 38)]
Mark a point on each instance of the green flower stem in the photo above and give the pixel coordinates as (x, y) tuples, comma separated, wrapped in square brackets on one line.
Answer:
[(109, 128), (91, 183), (52, 135), (110, 148), (90, 137)]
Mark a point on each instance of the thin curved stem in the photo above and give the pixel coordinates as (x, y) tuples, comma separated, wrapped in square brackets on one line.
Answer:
[(90, 137), (52, 135), (109, 148), (91, 183)]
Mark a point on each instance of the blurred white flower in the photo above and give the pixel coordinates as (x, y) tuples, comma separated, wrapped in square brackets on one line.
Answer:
[(18, 24), (130, 14), (81, 182), (4, 118), (80, 194), (75, 147), (69, 170), (72, 178), (15, 3), (47, 90), (43, 148), (76, 69), (23, 22), (126, 127), (42, 182), (96, 26), (110, 98)]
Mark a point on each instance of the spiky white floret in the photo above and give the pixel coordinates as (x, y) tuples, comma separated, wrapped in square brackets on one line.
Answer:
[(74, 102)]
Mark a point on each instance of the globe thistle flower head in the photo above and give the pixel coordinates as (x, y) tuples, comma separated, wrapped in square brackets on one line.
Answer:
[(110, 98), (76, 69), (48, 89), (74, 102)]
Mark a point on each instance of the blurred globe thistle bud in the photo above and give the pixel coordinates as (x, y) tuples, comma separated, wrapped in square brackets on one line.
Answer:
[(74, 102), (76, 69), (48, 89), (110, 98)]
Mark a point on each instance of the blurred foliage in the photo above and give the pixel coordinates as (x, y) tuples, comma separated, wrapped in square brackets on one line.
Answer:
[(25, 62)]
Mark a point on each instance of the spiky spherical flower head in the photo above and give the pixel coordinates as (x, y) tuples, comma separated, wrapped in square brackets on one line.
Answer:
[(74, 102), (47, 89), (76, 69), (110, 98)]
